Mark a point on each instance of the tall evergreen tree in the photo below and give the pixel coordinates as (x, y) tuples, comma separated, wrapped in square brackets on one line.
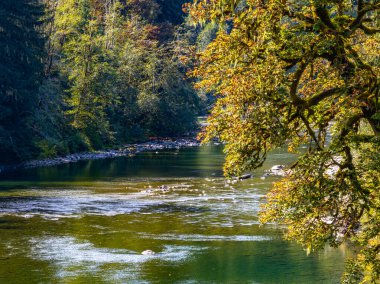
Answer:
[(21, 51), (88, 66)]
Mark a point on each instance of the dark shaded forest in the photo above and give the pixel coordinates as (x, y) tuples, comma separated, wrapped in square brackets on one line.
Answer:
[(82, 75)]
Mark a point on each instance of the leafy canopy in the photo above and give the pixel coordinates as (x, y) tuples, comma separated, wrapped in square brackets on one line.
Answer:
[(124, 81), (294, 72)]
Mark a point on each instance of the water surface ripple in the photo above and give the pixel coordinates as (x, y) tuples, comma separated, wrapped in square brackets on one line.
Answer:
[(154, 218)]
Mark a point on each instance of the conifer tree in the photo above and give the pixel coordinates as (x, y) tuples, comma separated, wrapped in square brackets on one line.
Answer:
[(21, 53)]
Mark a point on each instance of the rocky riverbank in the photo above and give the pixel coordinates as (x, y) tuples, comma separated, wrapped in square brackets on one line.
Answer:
[(126, 150)]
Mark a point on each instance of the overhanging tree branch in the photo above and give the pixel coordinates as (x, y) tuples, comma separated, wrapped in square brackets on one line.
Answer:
[(363, 9), (323, 95), (367, 30), (293, 88), (323, 14)]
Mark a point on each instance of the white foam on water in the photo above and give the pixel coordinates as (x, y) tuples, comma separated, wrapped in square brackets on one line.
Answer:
[(55, 203), (68, 252), (72, 204), (206, 238)]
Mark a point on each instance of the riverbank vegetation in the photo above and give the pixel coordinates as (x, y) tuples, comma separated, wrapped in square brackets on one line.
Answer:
[(292, 73), (85, 75)]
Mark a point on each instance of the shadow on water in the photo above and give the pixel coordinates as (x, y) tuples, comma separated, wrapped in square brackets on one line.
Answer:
[(199, 162)]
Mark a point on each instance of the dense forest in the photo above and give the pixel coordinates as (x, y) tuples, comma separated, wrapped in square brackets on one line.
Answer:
[(89, 74)]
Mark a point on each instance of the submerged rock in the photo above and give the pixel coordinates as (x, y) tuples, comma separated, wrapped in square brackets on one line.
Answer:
[(235, 179), (246, 176)]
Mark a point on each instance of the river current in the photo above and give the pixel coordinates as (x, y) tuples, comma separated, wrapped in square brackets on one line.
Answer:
[(159, 217)]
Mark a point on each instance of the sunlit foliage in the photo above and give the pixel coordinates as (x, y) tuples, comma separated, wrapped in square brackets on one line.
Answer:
[(295, 72), (122, 74)]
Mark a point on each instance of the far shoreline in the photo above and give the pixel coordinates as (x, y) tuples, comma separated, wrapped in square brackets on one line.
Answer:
[(124, 151)]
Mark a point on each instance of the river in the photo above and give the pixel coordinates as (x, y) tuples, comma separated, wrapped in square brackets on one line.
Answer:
[(90, 222)]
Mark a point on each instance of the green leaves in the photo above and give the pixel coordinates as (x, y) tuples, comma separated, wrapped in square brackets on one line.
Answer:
[(288, 73), (120, 75)]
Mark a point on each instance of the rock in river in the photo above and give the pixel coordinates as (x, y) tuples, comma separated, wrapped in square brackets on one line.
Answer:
[(148, 252)]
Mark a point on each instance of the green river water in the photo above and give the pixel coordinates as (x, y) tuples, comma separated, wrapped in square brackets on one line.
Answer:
[(89, 222)]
